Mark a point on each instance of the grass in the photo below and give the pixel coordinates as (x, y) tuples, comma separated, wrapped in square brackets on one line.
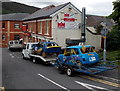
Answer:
[(111, 56)]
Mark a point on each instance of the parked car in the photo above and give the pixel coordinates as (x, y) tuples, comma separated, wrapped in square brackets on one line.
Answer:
[(15, 45)]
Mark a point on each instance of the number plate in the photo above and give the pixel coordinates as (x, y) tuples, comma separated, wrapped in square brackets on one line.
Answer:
[(92, 59)]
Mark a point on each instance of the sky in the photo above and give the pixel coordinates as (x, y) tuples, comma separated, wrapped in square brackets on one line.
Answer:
[(93, 7)]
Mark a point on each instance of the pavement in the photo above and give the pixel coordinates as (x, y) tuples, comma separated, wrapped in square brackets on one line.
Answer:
[(20, 74)]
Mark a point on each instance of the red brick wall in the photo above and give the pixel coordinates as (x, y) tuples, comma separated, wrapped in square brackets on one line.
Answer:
[(34, 27), (12, 32)]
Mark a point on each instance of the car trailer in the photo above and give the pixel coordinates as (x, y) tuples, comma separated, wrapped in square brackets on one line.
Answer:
[(91, 70)]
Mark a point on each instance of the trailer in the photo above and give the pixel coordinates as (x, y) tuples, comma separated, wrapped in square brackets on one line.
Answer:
[(81, 59), (37, 58)]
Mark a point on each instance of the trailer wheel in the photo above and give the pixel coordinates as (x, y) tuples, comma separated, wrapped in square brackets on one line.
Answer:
[(60, 69), (70, 71)]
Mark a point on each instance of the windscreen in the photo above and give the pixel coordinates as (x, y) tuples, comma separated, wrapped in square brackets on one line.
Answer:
[(87, 50), (52, 44)]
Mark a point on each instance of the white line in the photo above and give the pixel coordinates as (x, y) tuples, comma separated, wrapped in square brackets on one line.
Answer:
[(16, 55), (91, 87), (11, 55), (54, 82), (108, 78)]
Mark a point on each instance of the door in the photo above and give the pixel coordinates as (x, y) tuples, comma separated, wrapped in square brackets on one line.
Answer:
[(70, 56)]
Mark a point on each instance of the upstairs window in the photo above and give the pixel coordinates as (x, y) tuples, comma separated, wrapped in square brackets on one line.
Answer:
[(40, 27), (16, 25), (3, 25), (47, 27)]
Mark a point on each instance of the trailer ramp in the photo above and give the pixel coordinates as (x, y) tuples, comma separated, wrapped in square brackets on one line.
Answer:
[(95, 69)]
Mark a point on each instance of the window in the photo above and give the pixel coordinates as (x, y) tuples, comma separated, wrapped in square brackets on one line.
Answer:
[(87, 50), (16, 25), (3, 25), (16, 37), (51, 44), (3, 37), (71, 51), (40, 28), (47, 27)]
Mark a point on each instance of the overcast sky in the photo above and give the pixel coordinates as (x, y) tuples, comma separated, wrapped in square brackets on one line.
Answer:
[(93, 7)]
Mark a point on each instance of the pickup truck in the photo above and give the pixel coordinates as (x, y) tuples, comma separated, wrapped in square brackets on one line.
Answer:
[(80, 59), (15, 45), (45, 51)]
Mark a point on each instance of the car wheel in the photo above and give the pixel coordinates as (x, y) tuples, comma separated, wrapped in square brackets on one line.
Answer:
[(34, 60), (60, 69), (43, 54), (70, 71), (23, 56)]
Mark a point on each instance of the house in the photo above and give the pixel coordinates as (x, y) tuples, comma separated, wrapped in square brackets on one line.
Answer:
[(94, 23), (11, 25), (61, 24)]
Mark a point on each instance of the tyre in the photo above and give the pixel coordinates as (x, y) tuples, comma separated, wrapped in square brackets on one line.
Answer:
[(60, 69), (34, 60), (23, 57), (43, 54), (70, 71)]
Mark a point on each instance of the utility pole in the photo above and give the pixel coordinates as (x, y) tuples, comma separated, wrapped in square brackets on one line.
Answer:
[(104, 32), (83, 24)]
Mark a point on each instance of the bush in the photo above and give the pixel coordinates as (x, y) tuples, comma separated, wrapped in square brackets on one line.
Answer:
[(113, 40)]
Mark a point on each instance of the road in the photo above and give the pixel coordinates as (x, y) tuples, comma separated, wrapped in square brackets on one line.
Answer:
[(18, 73)]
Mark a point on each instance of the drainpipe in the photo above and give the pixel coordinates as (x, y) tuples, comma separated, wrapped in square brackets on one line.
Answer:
[(83, 24), (36, 31)]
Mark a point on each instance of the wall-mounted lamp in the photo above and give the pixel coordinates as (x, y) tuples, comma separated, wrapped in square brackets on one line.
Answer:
[(69, 8)]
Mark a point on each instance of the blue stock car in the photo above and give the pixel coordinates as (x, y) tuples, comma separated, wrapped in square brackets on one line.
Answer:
[(45, 48), (81, 59)]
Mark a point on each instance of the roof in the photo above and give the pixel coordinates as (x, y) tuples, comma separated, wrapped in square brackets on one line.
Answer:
[(93, 21), (14, 16), (92, 30), (79, 46), (46, 12)]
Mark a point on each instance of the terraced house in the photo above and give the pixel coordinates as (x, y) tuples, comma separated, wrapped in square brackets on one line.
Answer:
[(11, 27), (61, 24)]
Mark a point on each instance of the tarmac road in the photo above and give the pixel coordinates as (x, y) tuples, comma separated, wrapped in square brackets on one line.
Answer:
[(21, 74)]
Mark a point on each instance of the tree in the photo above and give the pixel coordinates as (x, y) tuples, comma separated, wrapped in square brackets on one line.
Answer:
[(113, 38), (116, 14)]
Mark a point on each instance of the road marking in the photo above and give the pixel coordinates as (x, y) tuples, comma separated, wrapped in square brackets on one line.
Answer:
[(2, 89), (102, 81), (54, 82), (91, 87), (11, 55), (108, 78)]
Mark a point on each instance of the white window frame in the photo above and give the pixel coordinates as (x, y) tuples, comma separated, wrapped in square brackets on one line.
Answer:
[(47, 28), (17, 24), (40, 30)]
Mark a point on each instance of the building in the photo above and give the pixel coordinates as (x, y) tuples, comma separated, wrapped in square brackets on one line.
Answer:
[(94, 23), (11, 27), (61, 24)]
